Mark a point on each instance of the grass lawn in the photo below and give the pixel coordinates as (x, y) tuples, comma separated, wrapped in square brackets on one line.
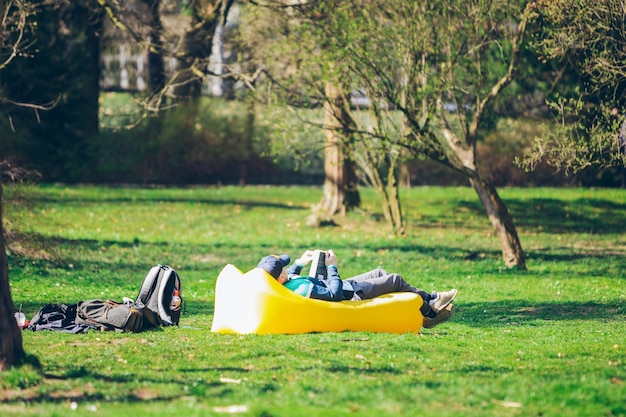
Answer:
[(549, 341)]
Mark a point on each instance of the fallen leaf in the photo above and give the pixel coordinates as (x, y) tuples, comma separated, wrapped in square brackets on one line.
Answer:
[(230, 381), (145, 394), (231, 409), (508, 404)]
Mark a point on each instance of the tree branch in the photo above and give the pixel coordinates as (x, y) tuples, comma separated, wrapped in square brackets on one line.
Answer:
[(506, 79)]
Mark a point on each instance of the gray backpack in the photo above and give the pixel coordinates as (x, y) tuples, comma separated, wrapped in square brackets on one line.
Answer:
[(158, 304), (110, 315), (160, 293)]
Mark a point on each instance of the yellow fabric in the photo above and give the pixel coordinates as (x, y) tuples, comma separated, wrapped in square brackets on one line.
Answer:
[(255, 302)]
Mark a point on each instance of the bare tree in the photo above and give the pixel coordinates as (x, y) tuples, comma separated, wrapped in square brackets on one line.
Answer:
[(11, 347), (15, 15), (273, 38), (188, 39), (439, 65), (340, 192), (198, 43)]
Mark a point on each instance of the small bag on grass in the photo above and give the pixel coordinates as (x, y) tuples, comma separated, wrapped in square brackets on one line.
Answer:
[(158, 304), (110, 315)]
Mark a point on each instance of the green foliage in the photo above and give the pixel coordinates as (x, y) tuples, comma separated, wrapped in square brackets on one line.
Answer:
[(584, 138), (592, 34), (53, 91), (585, 38), (209, 141), (430, 70), (536, 342)]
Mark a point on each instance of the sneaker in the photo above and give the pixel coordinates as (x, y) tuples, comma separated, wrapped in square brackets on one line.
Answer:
[(443, 315), (442, 300)]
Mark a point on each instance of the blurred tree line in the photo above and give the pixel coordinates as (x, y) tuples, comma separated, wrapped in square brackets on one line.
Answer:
[(174, 137)]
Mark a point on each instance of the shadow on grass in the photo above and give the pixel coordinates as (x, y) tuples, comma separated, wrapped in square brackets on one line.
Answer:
[(345, 369), (123, 387), (558, 216), (521, 312), (192, 307), (547, 215), (44, 250), (91, 244), (543, 214), (456, 253), (251, 203)]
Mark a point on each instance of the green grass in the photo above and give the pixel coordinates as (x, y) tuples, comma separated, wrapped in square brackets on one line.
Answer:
[(544, 342)]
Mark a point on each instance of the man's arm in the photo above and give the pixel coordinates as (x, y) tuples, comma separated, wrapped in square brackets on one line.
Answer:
[(295, 268), (330, 289), (333, 290)]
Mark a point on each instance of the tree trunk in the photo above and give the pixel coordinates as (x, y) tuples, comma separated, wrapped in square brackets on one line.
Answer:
[(198, 44), (11, 348), (333, 198), (244, 146), (156, 65), (395, 208), (512, 252), (91, 95), (340, 192), (380, 168), (461, 155)]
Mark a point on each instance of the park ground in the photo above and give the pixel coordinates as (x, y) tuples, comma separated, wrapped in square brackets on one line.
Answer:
[(543, 342)]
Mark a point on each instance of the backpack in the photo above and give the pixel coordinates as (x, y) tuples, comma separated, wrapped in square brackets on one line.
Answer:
[(153, 307), (159, 286), (110, 315)]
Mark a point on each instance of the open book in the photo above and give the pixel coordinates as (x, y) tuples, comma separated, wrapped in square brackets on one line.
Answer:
[(318, 266)]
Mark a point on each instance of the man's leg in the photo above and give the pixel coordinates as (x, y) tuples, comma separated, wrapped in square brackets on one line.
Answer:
[(378, 282), (374, 273)]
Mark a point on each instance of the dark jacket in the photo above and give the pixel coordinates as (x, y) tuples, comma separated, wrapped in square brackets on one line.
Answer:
[(330, 289)]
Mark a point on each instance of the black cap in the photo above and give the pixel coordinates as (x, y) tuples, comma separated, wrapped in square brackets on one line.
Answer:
[(274, 264)]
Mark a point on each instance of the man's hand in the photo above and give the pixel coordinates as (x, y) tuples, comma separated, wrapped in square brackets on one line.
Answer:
[(331, 258), (305, 258)]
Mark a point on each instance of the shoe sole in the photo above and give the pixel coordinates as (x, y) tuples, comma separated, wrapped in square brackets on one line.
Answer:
[(441, 317)]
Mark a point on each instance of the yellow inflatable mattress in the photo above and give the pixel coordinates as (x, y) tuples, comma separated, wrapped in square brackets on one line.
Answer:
[(254, 302)]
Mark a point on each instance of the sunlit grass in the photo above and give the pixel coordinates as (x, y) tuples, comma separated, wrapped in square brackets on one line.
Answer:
[(547, 341)]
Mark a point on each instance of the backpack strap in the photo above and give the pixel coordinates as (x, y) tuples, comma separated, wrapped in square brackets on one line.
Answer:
[(156, 293), (163, 299), (170, 277), (147, 287)]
